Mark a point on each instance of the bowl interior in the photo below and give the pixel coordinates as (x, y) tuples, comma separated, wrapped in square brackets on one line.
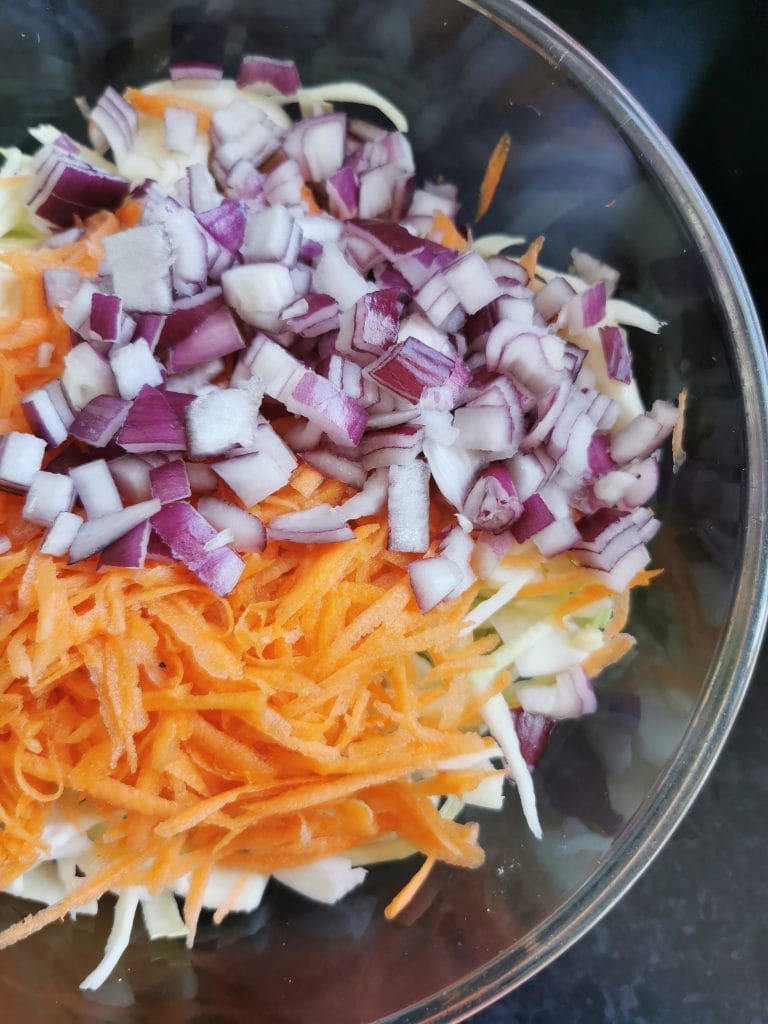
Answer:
[(607, 783)]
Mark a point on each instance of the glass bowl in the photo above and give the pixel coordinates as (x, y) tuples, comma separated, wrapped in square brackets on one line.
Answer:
[(588, 169)]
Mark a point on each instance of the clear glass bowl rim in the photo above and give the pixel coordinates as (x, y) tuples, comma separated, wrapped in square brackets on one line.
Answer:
[(730, 671)]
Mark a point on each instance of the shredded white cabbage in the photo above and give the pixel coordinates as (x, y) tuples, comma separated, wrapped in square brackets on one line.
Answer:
[(325, 880), (492, 245), (119, 937), (348, 92)]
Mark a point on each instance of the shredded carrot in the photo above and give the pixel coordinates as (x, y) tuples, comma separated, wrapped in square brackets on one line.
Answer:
[(405, 896), (156, 104), (447, 232), (530, 257), (608, 654), (308, 198), (678, 451), (129, 214), (492, 176)]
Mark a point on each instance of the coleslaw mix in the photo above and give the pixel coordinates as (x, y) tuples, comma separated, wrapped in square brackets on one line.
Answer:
[(242, 645)]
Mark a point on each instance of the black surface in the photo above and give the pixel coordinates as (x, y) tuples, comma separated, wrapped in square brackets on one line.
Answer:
[(689, 944)]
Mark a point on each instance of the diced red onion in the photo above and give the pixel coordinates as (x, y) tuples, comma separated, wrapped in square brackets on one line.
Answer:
[(226, 223), (343, 190), (488, 428), (131, 476), (320, 524), (151, 425), (559, 536), (258, 292), (535, 517), (65, 186), (408, 507), (60, 285), (493, 504), (21, 456), (433, 580), (43, 416), (219, 420), (550, 299), (280, 76), (339, 416), (376, 321), (252, 477), (180, 130), (316, 315), (284, 184), (59, 537), (116, 119), (617, 358), (570, 696), (99, 533), (128, 551), (454, 470), (217, 335), (459, 546), (336, 277), (335, 467), (96, 490), (584, 310), (186, 533), (391, 447), (135, 367), (169, 482), (139, 260), (48, 495), (591, 270), (195, 69), (317, 145), (202, 479), (410, 367), (470, 279), (248, 533), (98, 422), (644, 434), (243, 131)]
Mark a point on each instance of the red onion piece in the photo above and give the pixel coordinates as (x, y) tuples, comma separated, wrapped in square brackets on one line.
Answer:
[(186, 533), (489, 428), (570, 696), (317, 145), (433, 580), (99, 533), (180, 130), (151, 425), (281, 76), (43, 417), (96, 489), (336, 277), (454, 470), (644, 434), (533, 732), (195, 69), (338, 415), (219, 420), (217, 335), (134, 367), (343, 190), (535, 517), (169, 482), (408, 507), (247, 529), (376, 321), (271, 236), (60, 285), (21, 456), (320, 524), (395, 446), (86, 375), (493, 503), (128, 551), (49, 494), (335, 467), (116, 119), (65, 186), (59, 537), (559, 536), (226, 223), (470, 279), (252, 477), (97, 423), (202, 479), (550, 299), (617, 358), (131, 476), (410, 367), (258, 292), (313, 316), (138, 260)]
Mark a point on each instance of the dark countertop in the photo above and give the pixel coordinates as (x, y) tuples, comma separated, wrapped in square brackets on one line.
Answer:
[(689, 943)]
